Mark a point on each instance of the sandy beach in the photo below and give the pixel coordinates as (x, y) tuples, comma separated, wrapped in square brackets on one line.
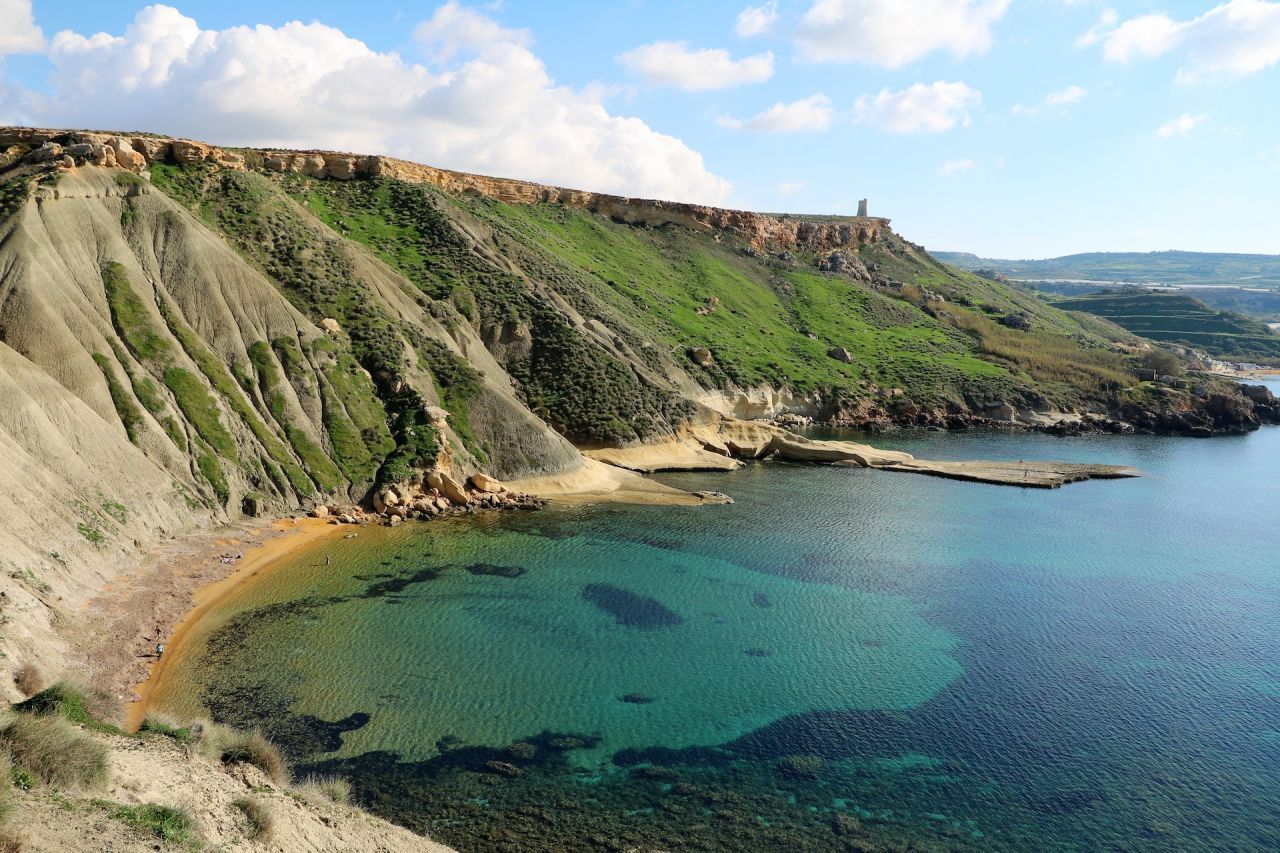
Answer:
[(169, 594)]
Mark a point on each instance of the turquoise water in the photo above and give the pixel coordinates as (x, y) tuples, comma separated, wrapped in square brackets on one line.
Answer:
[(841, 658)]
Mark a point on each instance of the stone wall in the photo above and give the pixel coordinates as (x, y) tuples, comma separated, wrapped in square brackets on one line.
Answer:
[(136, 152)]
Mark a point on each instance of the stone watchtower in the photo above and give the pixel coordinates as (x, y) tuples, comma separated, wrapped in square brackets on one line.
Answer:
[(862, 207)]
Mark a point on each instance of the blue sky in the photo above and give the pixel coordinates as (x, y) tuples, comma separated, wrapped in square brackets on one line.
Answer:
[(1013, 128)]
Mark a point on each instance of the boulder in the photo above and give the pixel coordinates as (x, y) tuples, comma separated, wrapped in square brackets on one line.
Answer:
[(448, 487), (841, 354), (320, 512), (1020, 321), (330, 326), (1258, 393), (485, 483), (701, 356)]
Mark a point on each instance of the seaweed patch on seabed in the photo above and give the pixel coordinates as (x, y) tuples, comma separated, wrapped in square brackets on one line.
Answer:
[(629, 608), (490, 570), (527, 795), (244, 699)]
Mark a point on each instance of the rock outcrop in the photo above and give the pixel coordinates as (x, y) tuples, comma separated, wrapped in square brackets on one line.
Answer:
[(760, 230)]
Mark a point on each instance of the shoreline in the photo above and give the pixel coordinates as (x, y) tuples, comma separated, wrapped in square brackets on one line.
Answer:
[(263, 549)]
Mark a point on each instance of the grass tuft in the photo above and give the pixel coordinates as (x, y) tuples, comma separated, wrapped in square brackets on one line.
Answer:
[(261, 822), (332, 788), (171, 825), (232, 746), (55, 751)]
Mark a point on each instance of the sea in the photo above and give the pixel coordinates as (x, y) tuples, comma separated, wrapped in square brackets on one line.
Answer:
[(842, 659)]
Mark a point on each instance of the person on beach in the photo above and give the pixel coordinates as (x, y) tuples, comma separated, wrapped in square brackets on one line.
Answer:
[(159, 650)]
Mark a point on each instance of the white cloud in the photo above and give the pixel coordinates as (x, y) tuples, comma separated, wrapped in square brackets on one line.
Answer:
[(756, 20), (455, 28), (675, 64), (19, 33), (951, 167), (807, 114), (919, 108), (494, 110), (1180, 126), (790, 187), (1069, 95), (892, 33), (1233, 39)]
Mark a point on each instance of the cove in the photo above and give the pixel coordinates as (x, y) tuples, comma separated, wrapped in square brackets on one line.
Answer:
[(841, 655)]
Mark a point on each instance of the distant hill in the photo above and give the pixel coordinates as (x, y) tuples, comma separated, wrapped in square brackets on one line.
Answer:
[(1170, 268), (1177, 318)]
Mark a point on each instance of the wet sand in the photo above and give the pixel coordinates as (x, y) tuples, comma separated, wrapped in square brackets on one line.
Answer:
[(191, 596)]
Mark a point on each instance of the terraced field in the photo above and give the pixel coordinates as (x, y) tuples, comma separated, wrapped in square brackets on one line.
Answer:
[(1183, 319)]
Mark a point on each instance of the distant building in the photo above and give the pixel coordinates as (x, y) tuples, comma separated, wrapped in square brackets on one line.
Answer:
[(862, 207)]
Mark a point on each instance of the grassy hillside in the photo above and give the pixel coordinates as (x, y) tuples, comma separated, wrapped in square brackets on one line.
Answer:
[(1136, 267), (769, 319), (1183, 319)]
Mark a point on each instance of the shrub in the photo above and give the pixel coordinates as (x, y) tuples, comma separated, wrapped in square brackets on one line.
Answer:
[(232, 745), (261, 823), (55, 751), (155, 725), (175, 826), (65, 700), (333, 788)]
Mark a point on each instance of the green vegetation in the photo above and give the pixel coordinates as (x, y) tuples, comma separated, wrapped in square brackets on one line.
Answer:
[(1183, 319), (270, 382), (54, 751), (93, 534), (1176, 318), (200, 410), (67, 701), (129, 413), (166, 728), (14, 193), (170, 825)]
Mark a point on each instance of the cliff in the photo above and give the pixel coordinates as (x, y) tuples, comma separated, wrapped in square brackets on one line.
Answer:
[(136, 152)]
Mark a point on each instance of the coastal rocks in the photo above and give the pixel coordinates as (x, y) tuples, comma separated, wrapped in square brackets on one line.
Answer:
[(320, 512), (448, 487), (485, 483)]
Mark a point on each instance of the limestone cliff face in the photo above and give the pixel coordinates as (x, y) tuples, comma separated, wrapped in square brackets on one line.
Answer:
[(761, 230)]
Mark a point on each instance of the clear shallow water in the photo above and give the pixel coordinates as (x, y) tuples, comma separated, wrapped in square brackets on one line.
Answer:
[(841, 655)]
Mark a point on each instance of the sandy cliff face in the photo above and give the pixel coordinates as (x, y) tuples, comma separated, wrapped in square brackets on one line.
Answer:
[(761, 230)]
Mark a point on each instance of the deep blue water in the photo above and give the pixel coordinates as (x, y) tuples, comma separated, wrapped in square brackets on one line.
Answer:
[(841, 654)]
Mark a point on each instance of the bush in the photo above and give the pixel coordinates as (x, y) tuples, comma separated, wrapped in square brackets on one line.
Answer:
[(232, 745), (175, 826), (167, 728), (55, 751), (261, 823), (333, 788)]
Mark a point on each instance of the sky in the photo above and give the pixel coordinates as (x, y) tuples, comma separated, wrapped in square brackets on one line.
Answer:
[(1009, 128)]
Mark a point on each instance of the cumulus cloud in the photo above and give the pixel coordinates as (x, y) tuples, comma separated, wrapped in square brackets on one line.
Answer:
[(1180, 126), (919, 108), (1233, 39), (892, 33), (676, 65), (756, 20), (493, 109), (455, 28), (807, 114), (19, 33), (951, 167)]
